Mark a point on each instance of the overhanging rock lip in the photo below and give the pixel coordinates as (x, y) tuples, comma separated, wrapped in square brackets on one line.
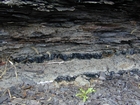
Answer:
[(44, 2)]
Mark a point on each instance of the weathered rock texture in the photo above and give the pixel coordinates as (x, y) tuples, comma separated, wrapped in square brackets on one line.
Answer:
[(38, 30)]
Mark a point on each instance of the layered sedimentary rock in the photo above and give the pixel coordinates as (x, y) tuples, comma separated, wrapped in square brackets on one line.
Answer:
[(38, 30)]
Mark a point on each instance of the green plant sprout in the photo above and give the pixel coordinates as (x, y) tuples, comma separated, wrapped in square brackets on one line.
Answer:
[(83, 93)]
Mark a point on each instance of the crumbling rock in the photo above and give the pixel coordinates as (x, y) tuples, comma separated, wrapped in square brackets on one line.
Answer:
[(39, 30)]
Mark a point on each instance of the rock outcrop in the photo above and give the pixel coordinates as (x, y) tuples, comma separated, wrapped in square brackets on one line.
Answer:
[(38, 30)]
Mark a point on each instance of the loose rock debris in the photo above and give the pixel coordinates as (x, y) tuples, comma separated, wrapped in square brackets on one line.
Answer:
[(120, 88)]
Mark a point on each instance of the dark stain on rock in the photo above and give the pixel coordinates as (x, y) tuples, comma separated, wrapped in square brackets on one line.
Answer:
[(91, 75), (66, 57), (64, 78), (39, 59), (30, 59), (46, 57), (109, 76), (21, 59)]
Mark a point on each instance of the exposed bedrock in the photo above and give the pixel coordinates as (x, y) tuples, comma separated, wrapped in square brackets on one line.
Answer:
[(39, 30)]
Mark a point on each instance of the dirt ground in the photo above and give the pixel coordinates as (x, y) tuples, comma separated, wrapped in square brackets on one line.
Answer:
[(116, 80)]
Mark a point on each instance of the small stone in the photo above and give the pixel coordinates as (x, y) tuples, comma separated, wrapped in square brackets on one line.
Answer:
[(3, 98), (82, 81), (61, 102), (136, 77), (102, 76), (137, 102), (81, 103), (116, 75), (33, 102), (17, 100), (40, 88), (56, 85), (27, 81)]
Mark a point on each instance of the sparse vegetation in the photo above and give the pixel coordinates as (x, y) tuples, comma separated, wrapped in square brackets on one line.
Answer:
[(83, 93)]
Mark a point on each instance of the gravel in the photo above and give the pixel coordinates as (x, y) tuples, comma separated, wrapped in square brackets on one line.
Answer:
[(121, 89)]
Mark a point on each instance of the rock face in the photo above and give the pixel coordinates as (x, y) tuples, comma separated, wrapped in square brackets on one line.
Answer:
[(38, 30)]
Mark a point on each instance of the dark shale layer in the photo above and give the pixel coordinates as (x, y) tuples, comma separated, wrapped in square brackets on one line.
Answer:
[(39, 30), (109, 75)]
